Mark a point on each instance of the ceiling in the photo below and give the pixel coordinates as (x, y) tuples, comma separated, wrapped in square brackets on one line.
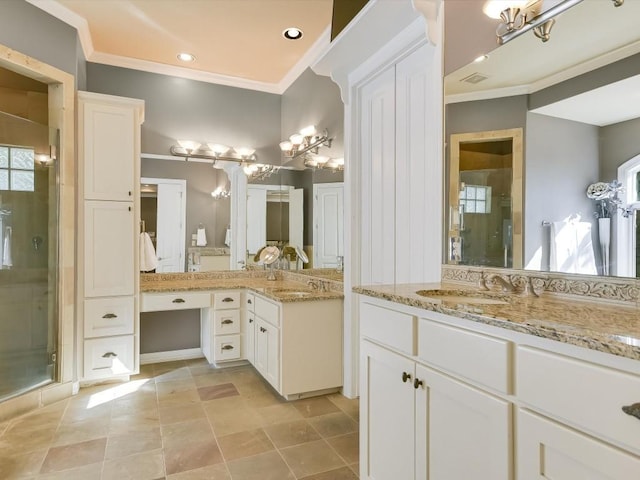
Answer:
[(235, 42)]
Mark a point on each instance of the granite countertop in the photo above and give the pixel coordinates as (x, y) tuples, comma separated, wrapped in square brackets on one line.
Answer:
[(280, 290), (605, 327)]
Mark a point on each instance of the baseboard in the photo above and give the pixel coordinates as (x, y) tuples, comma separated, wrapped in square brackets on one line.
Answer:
[(170, 356)]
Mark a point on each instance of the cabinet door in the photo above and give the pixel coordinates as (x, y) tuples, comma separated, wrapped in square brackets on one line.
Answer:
[(249, 347), (267, 348), (108, 151), (548, 450), (109, 268), (387, 415), (461, 432)]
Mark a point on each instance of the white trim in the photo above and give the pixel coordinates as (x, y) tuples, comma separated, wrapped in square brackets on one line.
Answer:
[(171, 356), (487, 94), (317, 50), (625, 253)]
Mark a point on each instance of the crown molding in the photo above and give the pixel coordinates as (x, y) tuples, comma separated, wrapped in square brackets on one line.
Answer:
[(487, 94), (59, 11)]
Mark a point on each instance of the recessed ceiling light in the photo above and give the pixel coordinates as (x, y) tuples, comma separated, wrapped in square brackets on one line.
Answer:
[(292, 33), (481, 58), (186, 57)]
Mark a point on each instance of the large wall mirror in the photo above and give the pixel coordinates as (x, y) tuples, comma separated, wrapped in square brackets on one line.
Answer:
[(575, 100)]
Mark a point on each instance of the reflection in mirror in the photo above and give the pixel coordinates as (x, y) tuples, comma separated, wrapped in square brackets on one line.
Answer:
[(580, 117)]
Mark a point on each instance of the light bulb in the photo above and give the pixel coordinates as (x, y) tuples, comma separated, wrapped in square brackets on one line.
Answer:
[(286, 146), (309, 131), (189, 145), (493, 8), (339, 161), (245, 152), (321, 159), (296, 139), (218, 148)]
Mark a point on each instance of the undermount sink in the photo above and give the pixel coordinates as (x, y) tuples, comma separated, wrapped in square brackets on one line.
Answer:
[(291, 293), (465, 296)]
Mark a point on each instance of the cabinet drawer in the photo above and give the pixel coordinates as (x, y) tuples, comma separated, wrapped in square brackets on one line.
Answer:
[(226, 321), (582, 394), (106, 357), (267, 311), (250, 302), (477, 357), (154, 302), (389, 327), (226, 300), (105, 317), (226, 347)]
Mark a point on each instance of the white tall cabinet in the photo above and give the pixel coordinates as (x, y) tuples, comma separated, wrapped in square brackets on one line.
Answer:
[(109, 209)]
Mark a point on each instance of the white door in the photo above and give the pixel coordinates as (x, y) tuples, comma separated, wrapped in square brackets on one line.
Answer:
[(328, 224), (170, 235), (250, 337), (267, 355), (109, 268), (548, 450), (461, 432), (387, 413), (256, 219), (296, 217)]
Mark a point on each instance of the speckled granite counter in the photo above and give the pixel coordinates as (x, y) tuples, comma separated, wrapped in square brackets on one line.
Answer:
[(280, 289), (608, 328)]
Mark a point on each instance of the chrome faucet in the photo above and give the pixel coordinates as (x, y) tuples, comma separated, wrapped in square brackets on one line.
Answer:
[(318, 285), (489, 279)]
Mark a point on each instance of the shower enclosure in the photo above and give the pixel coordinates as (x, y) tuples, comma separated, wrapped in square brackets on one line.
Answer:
[(28, 254)]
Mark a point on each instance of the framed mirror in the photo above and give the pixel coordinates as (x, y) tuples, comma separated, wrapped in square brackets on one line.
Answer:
[(575, 100)]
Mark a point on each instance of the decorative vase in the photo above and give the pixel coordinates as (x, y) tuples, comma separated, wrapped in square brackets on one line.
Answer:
[(604, 236)]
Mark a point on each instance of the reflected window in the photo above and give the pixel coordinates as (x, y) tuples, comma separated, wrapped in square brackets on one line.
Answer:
[(476, 199), (16, 168)]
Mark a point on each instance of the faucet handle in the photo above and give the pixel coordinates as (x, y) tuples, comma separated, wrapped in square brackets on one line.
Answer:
[(482, 281)]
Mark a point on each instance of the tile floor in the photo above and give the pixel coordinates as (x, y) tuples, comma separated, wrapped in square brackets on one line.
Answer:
[(184, 420)]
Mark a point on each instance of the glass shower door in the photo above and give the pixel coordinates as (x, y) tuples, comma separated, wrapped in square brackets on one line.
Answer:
[(28, 255)]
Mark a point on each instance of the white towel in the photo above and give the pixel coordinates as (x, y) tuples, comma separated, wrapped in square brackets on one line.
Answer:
[(7, 260), (571, 249), (227, 237), (148, 259), (201, 237)]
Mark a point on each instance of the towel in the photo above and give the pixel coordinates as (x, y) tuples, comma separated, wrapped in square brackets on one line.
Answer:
[(148, 259), (227, 238), (571, 249), (201, 237), (7, 261)]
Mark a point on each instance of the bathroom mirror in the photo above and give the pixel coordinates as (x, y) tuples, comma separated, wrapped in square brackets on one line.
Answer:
[(575, 98)]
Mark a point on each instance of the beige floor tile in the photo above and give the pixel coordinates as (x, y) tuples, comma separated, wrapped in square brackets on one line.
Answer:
[(189, 457), (212, 472), (234, 421), (181, 413), (244, 444), (292, 433), (344, 473), (24, 441), (350, 406), (313, 407), (278, 414), (130, 443), (3, 427), (140, 421), (173, 375), (21, 465), (140, 402), (46, 417), (347, 446), (210, 378), (77, 413), (184, 433), (144, 466), (87, 472), (222, 406), (81, 431), (265, 466), (334, 424), (310, 458), (214, 392), (164, 367), (243, 375), (356, 469), (262, 399), (75, 455), (251, 387), (180, 397), (168, 388)]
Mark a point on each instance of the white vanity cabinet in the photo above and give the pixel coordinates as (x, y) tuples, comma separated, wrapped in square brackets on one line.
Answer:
[(109, 207), (298, 345)]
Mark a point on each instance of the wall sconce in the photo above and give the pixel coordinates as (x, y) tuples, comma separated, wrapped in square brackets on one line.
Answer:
[(46, 159), (220, 193), (213, 151), (519, 16), (259, 171), (323, 162), (307, 140)]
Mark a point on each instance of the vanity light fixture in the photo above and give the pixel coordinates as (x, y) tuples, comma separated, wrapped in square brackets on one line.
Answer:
[(213, 151), (292, 33), (306, 140), (220, 193), (323, 162), (519, 16)]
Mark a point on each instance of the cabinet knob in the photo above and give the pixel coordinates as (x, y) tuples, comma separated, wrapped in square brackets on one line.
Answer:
[(633, 410), (249, 302), (227, 347), (129, 208), (110, 355), (263, 329), (178, 300), (226, 322), (405, 376), (251, 320), (417, 383), (109, 315), (129, 192), (227, 299)]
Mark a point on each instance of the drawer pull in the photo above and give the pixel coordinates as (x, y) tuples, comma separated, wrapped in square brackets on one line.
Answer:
[(405, 376), (227, 347), (110, 355), (417, 383), (109, 315), (249, 302), (227, 299), (178, 300), (227, 322), (633, 410)]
